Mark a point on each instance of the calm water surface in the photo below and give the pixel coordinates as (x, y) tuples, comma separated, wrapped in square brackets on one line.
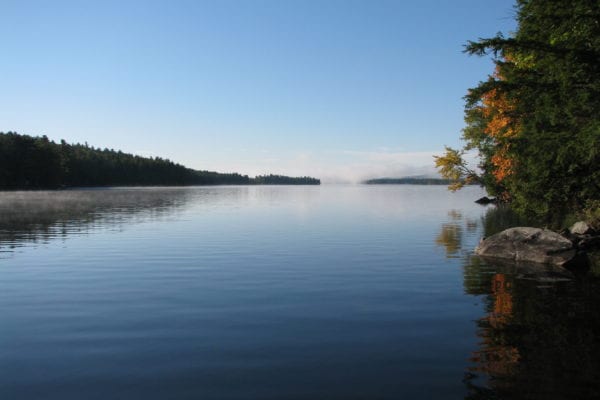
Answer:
[(330, 292)]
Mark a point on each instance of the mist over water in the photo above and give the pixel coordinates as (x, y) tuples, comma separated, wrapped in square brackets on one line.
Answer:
[(260, 292)]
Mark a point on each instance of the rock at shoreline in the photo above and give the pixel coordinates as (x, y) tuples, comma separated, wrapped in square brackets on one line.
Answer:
[(532, 245), (486, 200), (581, 228), (583, 236)]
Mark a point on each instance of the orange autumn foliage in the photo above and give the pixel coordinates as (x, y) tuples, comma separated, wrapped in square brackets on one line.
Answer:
[(497, 108)]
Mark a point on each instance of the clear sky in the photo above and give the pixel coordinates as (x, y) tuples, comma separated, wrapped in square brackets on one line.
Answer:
[(334, 89)]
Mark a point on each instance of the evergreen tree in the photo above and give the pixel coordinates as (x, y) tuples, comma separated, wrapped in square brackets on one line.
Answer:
[(536, 121)]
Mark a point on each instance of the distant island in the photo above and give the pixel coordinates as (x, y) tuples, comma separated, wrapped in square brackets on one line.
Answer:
[(283, 180), (28, 162), (411, 180)]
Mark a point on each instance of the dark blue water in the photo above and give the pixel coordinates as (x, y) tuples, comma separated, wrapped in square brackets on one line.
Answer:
[(330, 292)]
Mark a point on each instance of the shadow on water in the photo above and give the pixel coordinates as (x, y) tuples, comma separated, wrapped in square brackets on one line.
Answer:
[(539, 335), (496, 219), (39, 216)]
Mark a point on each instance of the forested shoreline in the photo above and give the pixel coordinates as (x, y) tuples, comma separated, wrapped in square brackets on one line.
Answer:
[(28, 162)]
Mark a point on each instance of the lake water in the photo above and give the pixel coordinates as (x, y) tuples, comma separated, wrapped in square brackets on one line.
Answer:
[(287, 292)]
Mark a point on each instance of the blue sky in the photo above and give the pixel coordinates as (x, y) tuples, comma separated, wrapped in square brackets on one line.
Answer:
[(342, 90)]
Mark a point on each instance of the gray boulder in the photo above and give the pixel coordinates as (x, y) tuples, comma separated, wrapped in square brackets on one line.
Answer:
[(581, 228), (531, 245)]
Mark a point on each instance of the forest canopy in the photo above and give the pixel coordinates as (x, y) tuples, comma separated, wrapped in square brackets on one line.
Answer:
[(535, 121), (28, 162)]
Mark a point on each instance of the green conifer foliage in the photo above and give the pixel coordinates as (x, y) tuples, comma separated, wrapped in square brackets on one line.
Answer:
[(540, 145)]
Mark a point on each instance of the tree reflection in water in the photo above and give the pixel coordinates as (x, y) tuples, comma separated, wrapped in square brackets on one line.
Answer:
[(452, 232), (540, 335)]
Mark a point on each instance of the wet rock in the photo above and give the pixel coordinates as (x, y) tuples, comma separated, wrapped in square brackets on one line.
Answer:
[(530, 245)]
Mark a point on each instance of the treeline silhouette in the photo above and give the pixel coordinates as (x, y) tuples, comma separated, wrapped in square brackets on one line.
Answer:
[(28, 162)]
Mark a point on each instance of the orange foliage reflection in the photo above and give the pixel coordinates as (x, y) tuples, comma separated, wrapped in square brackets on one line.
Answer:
[(496, 358), (503, 304)]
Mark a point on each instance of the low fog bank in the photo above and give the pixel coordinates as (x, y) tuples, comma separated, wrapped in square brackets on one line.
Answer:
[(31, 216)]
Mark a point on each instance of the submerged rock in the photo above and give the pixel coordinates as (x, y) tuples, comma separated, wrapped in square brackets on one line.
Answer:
[(541, 273), (530, 245), (588, 242)]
